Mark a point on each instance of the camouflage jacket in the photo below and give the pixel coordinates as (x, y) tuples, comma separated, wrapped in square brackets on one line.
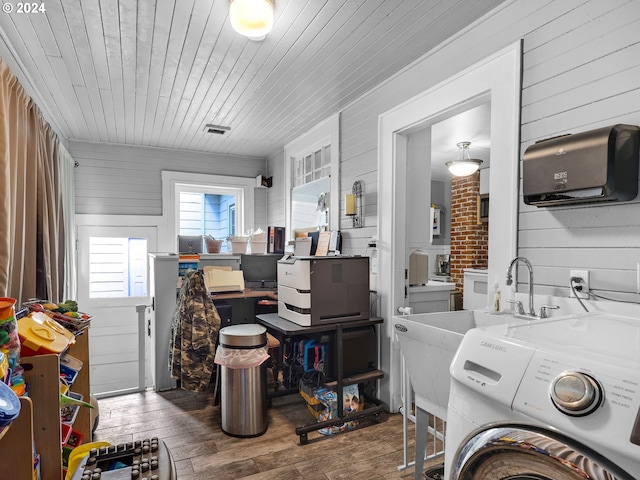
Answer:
[(194, 333)]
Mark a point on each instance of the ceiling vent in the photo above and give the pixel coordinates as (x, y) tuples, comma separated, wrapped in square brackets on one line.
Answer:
[(217, 129)]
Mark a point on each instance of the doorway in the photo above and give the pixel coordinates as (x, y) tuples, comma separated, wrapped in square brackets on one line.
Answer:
[(496, 78), (113, 277), (455, 236)]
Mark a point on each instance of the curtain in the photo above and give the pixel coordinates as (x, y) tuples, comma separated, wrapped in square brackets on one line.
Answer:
[(32, 235), (67, 191)]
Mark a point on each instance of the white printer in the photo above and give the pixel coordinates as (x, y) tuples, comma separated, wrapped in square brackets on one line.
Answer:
[(321, 290)]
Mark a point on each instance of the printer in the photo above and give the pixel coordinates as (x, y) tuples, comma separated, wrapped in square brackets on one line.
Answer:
[(321, 290)]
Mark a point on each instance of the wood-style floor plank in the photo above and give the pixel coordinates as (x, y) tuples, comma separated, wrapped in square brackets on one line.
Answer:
[(189, 424)]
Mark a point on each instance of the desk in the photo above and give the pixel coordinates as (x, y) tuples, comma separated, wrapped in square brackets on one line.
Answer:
[(245, 294), (285, 331), (243, 304)]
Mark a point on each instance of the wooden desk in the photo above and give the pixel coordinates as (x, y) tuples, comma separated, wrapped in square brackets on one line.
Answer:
[(243, 304), (285, 330), (246, 293)]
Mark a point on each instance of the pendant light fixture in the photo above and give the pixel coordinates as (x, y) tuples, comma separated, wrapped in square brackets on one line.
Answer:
[(464, 165), (252, 18)]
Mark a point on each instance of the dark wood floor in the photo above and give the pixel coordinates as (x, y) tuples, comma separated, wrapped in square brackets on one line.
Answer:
[(189, 424)]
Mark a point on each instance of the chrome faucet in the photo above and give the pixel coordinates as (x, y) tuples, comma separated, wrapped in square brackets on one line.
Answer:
[(519, 306), (527, 263)]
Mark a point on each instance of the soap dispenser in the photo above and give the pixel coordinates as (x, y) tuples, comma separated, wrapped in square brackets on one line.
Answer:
[(495, 298)]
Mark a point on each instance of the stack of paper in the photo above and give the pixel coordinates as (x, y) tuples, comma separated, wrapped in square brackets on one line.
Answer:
[(221, 280)]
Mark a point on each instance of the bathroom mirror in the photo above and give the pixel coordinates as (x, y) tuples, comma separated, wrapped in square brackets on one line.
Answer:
[(310, 205)]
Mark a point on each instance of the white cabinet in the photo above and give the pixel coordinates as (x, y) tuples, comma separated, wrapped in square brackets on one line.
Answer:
[(164, 280)]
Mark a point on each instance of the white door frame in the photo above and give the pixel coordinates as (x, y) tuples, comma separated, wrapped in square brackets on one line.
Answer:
[(104, 225), (500, 76)]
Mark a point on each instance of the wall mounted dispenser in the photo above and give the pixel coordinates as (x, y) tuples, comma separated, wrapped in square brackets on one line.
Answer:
[(595, 166)]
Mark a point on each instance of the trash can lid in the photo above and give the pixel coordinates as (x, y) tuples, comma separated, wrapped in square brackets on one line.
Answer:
[(244, 335)]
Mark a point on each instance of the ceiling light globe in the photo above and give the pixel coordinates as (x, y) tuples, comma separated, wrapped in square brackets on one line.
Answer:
[(252, 18), (462, 168), (464, 165)]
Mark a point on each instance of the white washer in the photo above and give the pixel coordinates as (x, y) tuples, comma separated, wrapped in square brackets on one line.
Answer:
[(555, 399)]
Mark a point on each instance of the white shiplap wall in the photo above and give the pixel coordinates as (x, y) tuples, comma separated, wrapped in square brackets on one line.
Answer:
[(260, 208), (581, 70), (125, 180), (275, 194)]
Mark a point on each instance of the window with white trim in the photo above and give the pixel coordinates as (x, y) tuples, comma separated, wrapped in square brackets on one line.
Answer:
[(238, 190), (312, 166), (207, 214), (312, 156)]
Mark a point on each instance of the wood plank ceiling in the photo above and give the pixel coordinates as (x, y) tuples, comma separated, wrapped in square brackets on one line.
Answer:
[(155, 72)]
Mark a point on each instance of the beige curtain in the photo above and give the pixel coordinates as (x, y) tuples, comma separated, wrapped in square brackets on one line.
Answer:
[(31, 224), (68, 192)]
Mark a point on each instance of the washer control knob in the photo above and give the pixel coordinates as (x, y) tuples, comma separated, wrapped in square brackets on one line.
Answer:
[(575, 393)]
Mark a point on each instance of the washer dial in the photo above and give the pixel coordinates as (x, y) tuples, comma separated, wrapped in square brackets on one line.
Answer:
[(575, 393)]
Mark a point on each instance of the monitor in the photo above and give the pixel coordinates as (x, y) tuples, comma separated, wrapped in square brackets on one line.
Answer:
[(260, 270), (190, 244)]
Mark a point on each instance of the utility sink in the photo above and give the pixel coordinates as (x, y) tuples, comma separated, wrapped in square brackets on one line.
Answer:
[(429, 342)]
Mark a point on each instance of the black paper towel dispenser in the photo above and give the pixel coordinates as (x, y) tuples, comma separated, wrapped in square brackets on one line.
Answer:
[(596, 166)]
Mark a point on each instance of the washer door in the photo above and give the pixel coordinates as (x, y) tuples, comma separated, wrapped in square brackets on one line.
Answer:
[(524, 453)]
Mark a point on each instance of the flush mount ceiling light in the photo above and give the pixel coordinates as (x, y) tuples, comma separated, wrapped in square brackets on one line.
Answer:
[(252, 18), (464, 165)]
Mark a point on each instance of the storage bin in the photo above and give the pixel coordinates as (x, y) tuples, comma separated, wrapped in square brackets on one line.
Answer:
[(74, 439), (213, 245), (75, 322), (39, 339), (7, 308), (239, 245), (258, 247), (9, 405), (9, 339), (259, 242), (66, 451), (71, 362), (54, 325), (68, 413), (66, 432), (68, 374)]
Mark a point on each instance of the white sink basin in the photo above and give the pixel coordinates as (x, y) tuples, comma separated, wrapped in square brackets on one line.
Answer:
[(428, 342)]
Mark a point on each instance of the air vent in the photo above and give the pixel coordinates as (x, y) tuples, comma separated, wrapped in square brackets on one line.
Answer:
[(217, 129)]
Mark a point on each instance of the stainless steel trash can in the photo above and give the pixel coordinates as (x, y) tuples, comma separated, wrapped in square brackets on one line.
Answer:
[(243, 391)]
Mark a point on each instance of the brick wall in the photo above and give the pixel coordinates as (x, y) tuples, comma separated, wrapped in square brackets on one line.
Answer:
[(469, 240)]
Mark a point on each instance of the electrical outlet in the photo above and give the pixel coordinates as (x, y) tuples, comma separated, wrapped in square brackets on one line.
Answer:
[(584, 275)]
